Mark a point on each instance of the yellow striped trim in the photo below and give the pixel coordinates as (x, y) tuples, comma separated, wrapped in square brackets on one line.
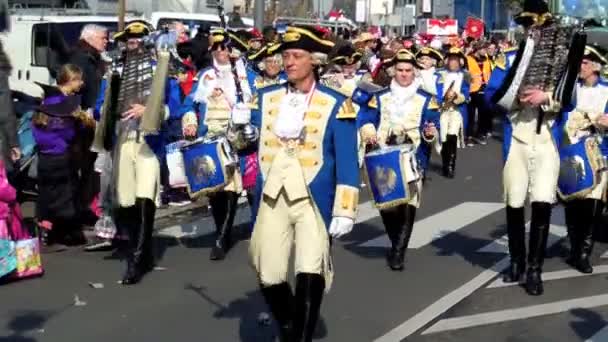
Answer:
[(312, 130), (272, 143), (266, 158), (319, 102), (293, 34), (308, 162), (312, 115), (309, 145)]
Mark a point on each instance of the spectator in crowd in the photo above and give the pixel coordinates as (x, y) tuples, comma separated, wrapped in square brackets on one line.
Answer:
[(480, 68), (54, 129), (492, 52), (180, 30), (87, 55)]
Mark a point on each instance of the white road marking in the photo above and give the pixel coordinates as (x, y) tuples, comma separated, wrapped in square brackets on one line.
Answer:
[(557, 275), (435, 227), (605, 255), (442, 305), (516, 314), (600, 336), (187, 230)]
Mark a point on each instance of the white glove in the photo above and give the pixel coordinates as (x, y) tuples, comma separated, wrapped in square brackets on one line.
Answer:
[(341, 226)]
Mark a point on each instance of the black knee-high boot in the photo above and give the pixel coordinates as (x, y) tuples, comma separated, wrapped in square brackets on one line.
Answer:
[(280, 301), (399, 223), (589, 216), (140, 259), (573, 225), (445, 158), (448, 155), (223, 208), (392, 219), (539, 233), (516, 231), (309, 295)]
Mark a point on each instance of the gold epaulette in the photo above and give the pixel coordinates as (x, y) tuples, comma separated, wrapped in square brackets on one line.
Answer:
[(433, 104), (501, 61), (347, 110), (373, 103)]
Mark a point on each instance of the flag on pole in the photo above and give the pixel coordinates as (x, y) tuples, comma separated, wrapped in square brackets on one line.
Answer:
[(474, 28)]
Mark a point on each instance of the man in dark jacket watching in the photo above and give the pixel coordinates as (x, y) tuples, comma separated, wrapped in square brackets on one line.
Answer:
[(87, 55)]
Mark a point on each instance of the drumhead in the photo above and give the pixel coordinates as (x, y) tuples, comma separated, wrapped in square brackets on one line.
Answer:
[(407, 148)]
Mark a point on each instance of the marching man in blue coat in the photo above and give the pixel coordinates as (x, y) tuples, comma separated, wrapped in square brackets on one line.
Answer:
[(270, 64), (452, 95), (582, 187), (216, 97), (402, 114), (531, 158), (307, 184)]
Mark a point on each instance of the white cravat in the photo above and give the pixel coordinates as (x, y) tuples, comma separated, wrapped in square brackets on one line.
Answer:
[(428, 80), (399, 97), (293, 106)]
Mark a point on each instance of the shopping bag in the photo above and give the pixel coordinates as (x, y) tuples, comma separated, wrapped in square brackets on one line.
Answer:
[(29, 262), (27, 246), (175, 164), (8, 258)]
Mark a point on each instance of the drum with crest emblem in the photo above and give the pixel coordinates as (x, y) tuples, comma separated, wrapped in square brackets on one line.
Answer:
[(580, 165), (208, 165), (391, 174)]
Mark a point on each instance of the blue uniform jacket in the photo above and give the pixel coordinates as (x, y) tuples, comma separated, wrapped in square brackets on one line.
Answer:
[(155, 141), (496, 78), (371, 114), (464, 91), (329, 159)]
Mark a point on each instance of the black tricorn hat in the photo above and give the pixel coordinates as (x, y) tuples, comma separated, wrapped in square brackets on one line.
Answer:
[(346, 55), (228, 39), (267, 50), (134, 29), (534, 13), (429, 52), (305, 38), (596, 54), (402, 56), (60, 105)]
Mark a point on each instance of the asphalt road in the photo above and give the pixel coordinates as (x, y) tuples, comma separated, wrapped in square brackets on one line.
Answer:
[(448, 291)]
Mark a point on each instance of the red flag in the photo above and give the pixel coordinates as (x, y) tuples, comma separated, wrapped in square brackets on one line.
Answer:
[(474, 28)]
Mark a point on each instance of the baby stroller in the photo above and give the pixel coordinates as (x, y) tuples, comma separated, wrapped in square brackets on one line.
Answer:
[(24, 176)]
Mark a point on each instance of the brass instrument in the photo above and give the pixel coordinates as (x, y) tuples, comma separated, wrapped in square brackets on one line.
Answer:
[(448, 104)]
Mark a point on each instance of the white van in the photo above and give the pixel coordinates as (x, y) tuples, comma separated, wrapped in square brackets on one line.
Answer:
[(193, 21), (34, 48)]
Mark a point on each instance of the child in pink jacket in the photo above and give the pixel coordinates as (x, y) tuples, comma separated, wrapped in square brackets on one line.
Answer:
[(8, 196)]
